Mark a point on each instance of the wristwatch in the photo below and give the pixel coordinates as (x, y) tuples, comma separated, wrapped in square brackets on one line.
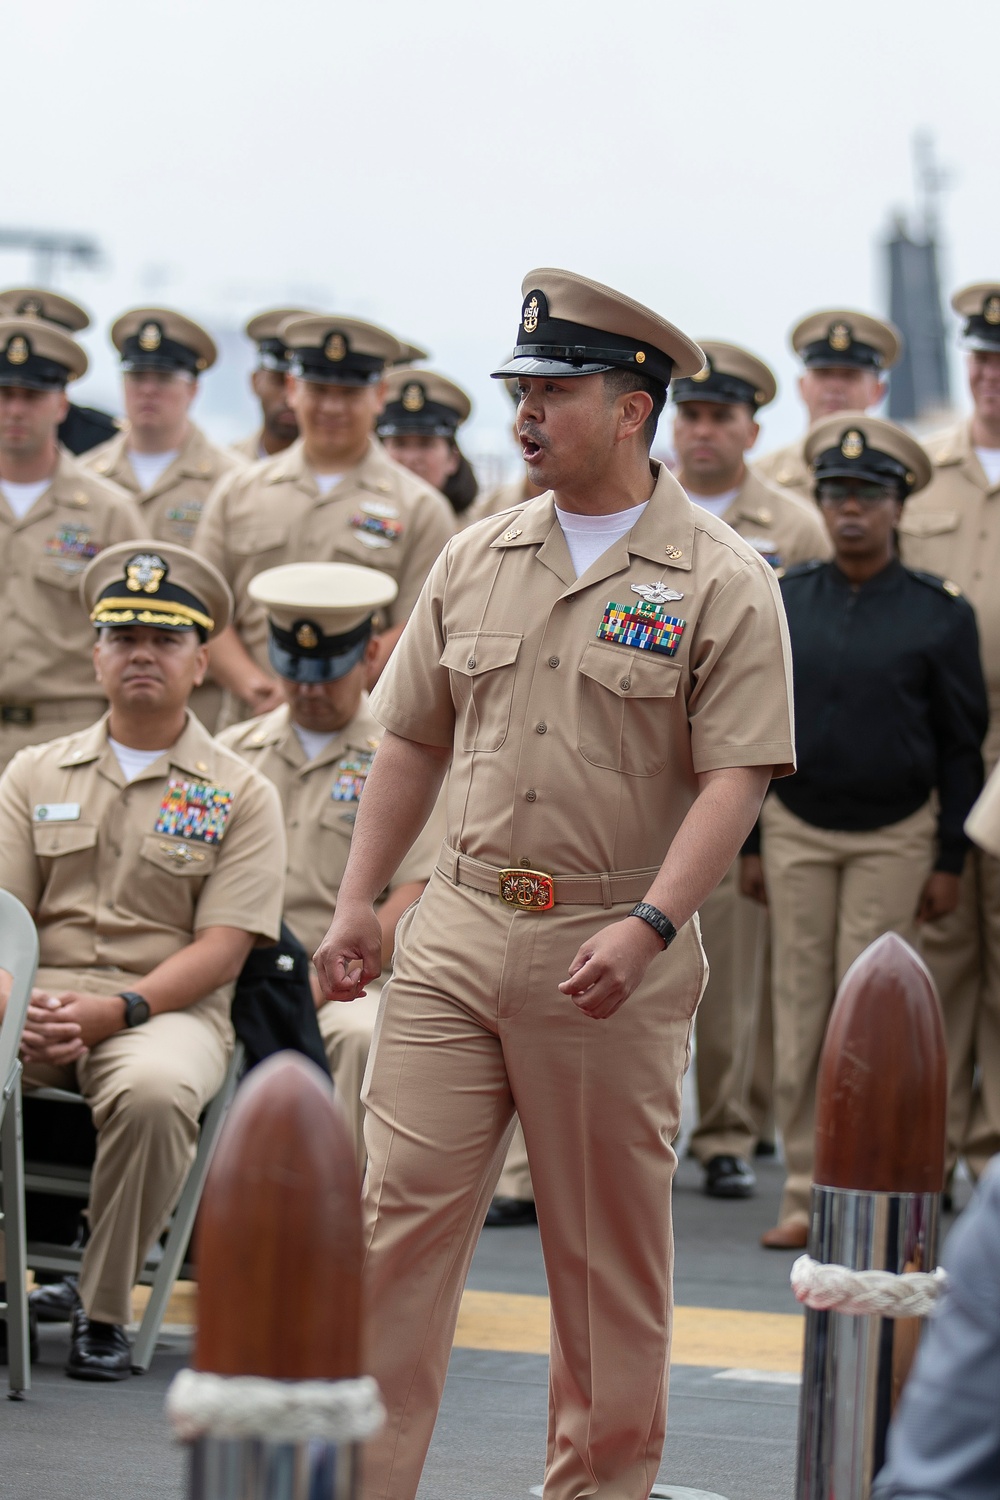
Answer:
[(654, 917), (136, 1008)]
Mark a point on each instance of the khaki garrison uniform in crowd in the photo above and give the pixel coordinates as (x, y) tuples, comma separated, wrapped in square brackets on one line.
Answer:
[(115, 889), (787, 467), (577, 756), (319, 799), (379, 515), (47, 685), (952, 528), (785, 531), (171, 507)]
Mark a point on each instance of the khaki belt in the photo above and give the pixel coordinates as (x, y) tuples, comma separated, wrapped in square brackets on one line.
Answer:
[(537, 890)]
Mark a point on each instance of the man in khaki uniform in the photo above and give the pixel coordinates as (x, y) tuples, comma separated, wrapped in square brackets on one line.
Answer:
[(54, 517), (83, 427), (953, 530), (595, 726), (317, 749), (150, 858), (278, 429), (845, 355), (867, 836), (334, 496), (714, 429)]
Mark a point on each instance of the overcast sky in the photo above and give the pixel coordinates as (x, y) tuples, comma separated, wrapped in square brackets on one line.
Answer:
[(731, 165)]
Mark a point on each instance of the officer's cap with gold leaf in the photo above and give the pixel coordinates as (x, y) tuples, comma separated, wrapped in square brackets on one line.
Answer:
[(732, 377), (38, 356), (853, 445), (571, 325), (837, 337), (157, 338), (332, 350), (39, 302), (158, 584), (421, 401), (979, 305), (272, 351), (320, 615)]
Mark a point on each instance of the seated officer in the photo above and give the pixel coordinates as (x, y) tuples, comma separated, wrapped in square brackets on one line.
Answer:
[(317, 748), (83, 427), (278, 428), (422, 414), (150, 859)]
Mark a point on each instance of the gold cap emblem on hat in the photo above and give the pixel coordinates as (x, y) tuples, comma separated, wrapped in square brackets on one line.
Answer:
[(839, 337), (17, 350), (150, 337), (145, 572), (335, 347), (306, 636), (529, 318), (991, 309), (30, 308), (413, 397), (640, 357), (852, 444)]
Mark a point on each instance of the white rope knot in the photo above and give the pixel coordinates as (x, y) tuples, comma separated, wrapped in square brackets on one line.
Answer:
[(882, 1293), (200, 1404)]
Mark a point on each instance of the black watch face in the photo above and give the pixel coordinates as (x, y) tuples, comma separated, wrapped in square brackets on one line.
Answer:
[(137, 1011)]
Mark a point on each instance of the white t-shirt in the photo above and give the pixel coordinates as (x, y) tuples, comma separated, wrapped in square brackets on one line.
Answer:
[(327, 482), (990, 460), (132, 761), (716, 505), (21, 497), (312, 741), (589, 537), (147, 467)]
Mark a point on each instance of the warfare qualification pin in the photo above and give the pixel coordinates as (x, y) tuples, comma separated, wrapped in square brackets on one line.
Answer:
[(145, 572), (150, 337), (852, 444), (17, 350), (839, 337), (413, 396), (655, 593)]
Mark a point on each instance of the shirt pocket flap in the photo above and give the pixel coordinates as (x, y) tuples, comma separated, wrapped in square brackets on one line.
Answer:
[(931, 523), (474, 652), (249, 540), (339, 816), (179, 856), (630, 673), (62, 575), (51, 839)]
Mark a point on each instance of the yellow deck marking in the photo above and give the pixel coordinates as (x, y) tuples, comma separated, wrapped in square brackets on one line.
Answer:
[(702, 1335)]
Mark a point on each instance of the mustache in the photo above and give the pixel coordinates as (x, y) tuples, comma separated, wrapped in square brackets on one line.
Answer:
[(529, 433)]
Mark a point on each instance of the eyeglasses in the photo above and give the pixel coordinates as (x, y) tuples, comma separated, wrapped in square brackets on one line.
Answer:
[(837, 491)]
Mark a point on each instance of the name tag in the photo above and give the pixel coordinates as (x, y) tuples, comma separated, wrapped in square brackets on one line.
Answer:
[(56, 812)]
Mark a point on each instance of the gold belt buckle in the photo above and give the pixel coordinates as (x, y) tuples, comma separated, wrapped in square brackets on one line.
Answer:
[(532, 890)]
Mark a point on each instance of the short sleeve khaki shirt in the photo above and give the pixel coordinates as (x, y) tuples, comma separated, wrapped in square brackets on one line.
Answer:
[(575, 751), (320, 802), (952, 528), (379, 515), (787, 467), (47, 637), (124, 875), (171, 507), (785, 530)]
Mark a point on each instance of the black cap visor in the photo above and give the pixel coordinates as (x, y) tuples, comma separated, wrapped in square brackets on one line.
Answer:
[(328, 659)]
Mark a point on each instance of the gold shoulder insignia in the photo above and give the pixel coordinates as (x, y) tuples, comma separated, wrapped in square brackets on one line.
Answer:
[(951, 588)]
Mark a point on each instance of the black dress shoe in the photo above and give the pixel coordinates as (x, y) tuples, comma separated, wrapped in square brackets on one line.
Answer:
[(504, 1213), (56, 1301), (32, 1331), (765, 1149), (729, 1177), (98, 1351)]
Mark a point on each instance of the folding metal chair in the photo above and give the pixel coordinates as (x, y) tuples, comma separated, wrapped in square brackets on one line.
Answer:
[(165, 1264), (19, 957)]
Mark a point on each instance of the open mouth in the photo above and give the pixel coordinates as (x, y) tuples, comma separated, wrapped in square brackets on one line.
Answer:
[(530, 450)]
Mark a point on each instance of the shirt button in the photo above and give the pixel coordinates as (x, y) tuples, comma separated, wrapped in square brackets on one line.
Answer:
[(541, 728), (626, 684), (525, 864), (553, 661), (530, 795), (471, 663)]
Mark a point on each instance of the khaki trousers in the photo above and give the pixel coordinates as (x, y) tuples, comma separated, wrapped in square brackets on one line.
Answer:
[(346, 1029), (515, 1179), (146, 1089), (734, 931), (472, 1026), (962, 952), (830, 894)]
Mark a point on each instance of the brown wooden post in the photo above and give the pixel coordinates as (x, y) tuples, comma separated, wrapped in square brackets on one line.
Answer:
[(278, 1252), (878, 1175)]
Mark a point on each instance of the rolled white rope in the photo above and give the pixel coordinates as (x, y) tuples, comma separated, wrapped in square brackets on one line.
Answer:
[(200, 1405), (838, 1289)]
